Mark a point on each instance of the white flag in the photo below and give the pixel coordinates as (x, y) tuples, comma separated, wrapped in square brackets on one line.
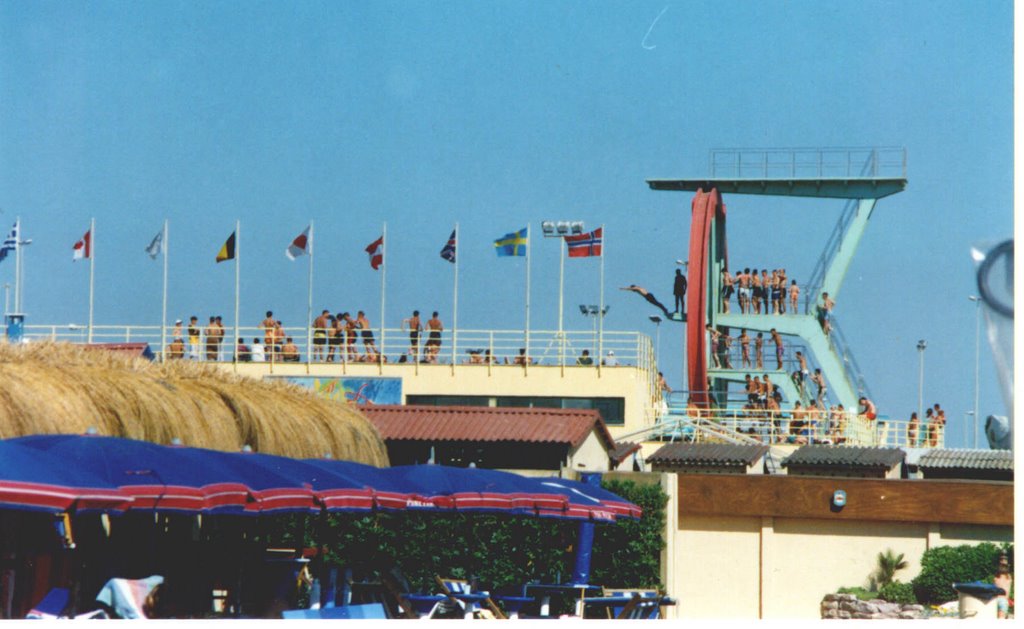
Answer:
[(156, 246)]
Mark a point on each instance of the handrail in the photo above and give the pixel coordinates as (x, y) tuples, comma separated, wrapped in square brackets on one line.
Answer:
[(545, 347), (781, 428), (807, 162)]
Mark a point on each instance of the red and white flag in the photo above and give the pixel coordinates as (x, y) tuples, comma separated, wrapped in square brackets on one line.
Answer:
[(299, 246), (585, 245), (376, 251), (83, 248)]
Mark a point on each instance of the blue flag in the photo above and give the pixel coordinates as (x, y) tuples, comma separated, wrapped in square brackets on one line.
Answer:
[(10, 243), (448, 252), (513, 244)]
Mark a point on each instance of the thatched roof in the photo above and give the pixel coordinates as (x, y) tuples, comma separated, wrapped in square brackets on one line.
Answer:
[(59, 388)]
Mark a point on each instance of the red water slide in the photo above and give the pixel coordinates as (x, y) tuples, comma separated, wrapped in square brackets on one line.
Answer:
[(706, 207)]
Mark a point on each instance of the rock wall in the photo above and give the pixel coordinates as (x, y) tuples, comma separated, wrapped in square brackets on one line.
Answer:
[(849, 606)]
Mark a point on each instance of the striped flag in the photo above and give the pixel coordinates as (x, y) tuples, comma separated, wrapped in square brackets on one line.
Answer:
[(585, 245), (227, 252), (299, 246), (83, 248), (448, 252), (376, 251), (10, 243)]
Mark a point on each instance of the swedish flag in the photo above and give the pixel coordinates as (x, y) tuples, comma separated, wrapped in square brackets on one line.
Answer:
[(513, 244)]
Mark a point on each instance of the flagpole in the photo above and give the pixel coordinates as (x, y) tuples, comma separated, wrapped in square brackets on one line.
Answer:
[(17, 265), (238, 275), (309, 307), (163, 320), (455, 300), (383, 277), (90, 247), (526, 357), (600, 307)]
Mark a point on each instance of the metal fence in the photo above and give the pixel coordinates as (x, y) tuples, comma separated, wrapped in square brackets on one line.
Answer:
[(389, 345), (808, 426)]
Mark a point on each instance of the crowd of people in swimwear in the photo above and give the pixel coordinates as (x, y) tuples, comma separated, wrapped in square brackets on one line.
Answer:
[(335, 336), (760, 291)]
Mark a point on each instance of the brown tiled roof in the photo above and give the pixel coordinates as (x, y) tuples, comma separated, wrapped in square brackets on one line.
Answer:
[(480, 423), (140, 350), (622, 450), (848, 456), (707, 454)]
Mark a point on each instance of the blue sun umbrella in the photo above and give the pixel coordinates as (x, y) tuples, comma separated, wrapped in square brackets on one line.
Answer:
[(168, 478), (37, 481)]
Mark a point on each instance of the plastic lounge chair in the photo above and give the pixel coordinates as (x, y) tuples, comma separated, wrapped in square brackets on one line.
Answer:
[(52, 606), (367, 611), (642, 605), (461, 591)]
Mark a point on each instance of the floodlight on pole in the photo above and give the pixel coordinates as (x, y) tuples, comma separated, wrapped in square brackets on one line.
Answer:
[(977, 359), (657, 335), (560, 229), (921, 345)]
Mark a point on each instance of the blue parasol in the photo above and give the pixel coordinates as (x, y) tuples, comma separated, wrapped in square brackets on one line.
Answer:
[(37, 481), (157, 477)]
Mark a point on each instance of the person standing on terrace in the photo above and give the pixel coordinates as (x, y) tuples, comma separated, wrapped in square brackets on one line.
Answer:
[(321, 325), (369, 347), (777, 339), (913, 428), (744, 348), (679, 291), (211, 339), (819, 380), (759, 351), (825, 313), (194, 334), (415, 327), (435, 328), (727, 290), (794, 296)]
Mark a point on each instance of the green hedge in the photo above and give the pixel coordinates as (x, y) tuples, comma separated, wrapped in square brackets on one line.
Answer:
[(945, 565), (897, 592), (498, 550)]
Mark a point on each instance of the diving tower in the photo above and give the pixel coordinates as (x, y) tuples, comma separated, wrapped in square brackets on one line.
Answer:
[(861, 176)]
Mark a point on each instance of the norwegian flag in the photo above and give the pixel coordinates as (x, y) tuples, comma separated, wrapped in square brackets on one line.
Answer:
[(585, 245), (376, 251)]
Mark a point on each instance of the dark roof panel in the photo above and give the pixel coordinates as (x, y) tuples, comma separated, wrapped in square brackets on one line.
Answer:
[(846, 456), (707, 454), (967, 459)]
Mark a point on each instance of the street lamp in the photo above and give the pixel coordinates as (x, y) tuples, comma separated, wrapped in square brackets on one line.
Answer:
[(657, 335), (977, 359), (921, 345), (559, 230)]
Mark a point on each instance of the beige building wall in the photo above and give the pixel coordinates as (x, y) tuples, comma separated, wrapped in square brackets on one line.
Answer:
[(590, 456), (807, 559), (715, 570), (729, 567), (630, 383)]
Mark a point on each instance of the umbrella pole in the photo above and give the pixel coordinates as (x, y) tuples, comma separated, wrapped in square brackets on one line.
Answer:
[(585, 537)]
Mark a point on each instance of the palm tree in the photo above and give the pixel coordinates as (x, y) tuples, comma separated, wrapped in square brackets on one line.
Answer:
[(889, 563)]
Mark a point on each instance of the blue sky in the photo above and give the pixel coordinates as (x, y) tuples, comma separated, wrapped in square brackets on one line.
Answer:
[(496, 115)]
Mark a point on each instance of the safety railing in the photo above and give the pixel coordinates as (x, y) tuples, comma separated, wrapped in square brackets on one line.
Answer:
[(808, 163), (389, 346), (806, 426)]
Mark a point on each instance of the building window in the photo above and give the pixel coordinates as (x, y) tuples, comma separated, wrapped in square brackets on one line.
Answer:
[(448, 400)]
